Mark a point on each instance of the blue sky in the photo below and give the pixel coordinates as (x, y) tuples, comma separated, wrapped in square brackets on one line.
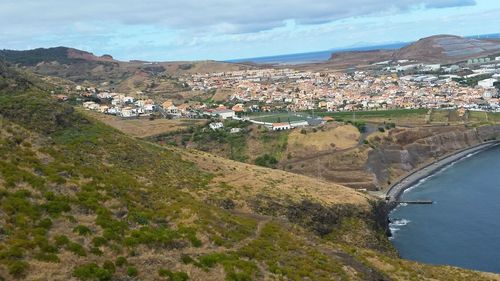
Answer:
[(161, 30)]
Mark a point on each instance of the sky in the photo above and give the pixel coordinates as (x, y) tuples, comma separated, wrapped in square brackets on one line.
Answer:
[(168, 30)]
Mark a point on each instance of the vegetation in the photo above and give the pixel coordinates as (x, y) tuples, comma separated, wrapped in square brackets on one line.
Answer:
[(33, 57), (266, 160), (74, 193)]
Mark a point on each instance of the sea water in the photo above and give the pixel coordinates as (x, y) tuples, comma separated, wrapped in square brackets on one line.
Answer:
[(462, 227)]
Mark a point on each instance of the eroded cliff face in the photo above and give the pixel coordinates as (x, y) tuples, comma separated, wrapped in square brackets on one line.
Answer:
[(406, 149)]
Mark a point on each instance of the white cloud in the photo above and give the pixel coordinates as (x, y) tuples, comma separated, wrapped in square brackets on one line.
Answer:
[(225, 16)]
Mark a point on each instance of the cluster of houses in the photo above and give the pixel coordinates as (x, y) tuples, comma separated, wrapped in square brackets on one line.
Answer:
[(428, 86), (121, 105)]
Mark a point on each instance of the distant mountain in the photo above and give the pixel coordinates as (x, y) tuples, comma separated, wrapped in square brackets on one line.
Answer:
[(62, 55), (435, 49), (448, 48)]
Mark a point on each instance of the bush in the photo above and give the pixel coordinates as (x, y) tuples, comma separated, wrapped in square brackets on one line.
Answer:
[(76, 249), (99, 241), (96, 251), (121, 261), (173, 276), (91, 271), (17, 268), (186, 259), (45, 223), (47, 257), (82, 230), (381, 129), (109, 266), (390, 126), (61, 240), (132, 271), (266, 160)]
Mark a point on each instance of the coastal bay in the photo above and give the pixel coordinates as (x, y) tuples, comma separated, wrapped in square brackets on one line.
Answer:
[(461, 227)]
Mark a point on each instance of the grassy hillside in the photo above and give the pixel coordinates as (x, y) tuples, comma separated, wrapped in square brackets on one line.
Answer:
[(80, 200), (35, 56)]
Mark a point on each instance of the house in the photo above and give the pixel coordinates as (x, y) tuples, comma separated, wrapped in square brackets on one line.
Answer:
[(184, 108), (235, 130), (90, 105), (128, 100), (281, 126), (223, 113), (128, 112), (170, 108), (61, 97), (103, 108), (328, 119), (216, 125), (462, 111), (487, 83), (238, 108), (299, 124)]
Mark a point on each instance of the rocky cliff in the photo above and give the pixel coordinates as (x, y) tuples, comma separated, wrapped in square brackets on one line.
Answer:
[(405, 150)]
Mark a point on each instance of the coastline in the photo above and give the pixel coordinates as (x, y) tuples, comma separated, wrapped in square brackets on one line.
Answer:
[(394, 192)]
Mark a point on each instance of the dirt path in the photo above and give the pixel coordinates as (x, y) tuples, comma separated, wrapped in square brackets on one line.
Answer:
[(219, 249)]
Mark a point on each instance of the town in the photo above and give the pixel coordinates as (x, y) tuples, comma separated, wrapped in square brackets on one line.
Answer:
[(472, 85)]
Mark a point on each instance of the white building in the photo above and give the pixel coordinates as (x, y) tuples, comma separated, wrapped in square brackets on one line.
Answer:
[(224, 113), (235, 130), (90, 105), (487, 83), (281, 126), (216, 125)]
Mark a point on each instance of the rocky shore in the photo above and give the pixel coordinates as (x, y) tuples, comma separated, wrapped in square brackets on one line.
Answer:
[(396, 190)]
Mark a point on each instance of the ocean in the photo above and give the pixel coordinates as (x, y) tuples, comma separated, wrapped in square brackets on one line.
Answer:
[(321, 56), (313, 57), (462, 227)]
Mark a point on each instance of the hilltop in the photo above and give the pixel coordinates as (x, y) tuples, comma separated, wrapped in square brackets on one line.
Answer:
[(83, 201), (443, 49), (70, 67)]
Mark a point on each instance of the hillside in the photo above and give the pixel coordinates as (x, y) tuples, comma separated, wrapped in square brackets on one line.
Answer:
[(81, 200), (392, 144), (443, 49), (60, 55), (158, 80)]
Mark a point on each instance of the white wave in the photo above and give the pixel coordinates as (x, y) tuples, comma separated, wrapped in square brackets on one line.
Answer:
[(400, 222), (394, 229)]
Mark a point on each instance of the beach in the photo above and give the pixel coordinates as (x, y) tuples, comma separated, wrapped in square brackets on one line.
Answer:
[(394, 192)]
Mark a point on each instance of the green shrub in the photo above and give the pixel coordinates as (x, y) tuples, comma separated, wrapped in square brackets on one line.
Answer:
[(96, 251), (186, 259), (76, 249), (99, 241), (173, 276), (82, 230), (56, 207), (61, 240), (132, 271), (45, 223), (211, 260), (121, 261), (92, 271), (47, 257), (17, 268), (109, 266), (266, 160)]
